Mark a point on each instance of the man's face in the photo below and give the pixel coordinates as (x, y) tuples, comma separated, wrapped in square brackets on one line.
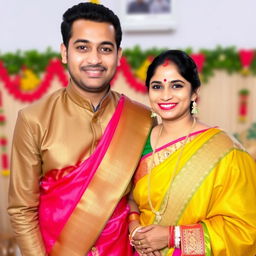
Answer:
[(92, 55)]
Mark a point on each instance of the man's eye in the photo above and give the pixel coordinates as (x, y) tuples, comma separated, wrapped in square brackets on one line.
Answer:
[(81, 47), (106, 49)]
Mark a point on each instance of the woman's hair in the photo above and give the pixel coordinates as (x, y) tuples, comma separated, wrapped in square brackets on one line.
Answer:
[(92, 12), (185, 64)]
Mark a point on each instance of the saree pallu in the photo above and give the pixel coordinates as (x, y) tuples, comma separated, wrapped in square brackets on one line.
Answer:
[(114, 239), (214, 185), (77, 201)]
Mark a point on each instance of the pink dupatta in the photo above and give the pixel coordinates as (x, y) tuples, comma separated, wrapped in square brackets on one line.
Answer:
[(60, 195)]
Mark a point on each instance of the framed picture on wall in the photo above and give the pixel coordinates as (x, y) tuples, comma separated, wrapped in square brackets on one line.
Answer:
[(139, 15)]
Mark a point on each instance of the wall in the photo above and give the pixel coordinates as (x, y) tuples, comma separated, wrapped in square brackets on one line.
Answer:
[(200, 24)]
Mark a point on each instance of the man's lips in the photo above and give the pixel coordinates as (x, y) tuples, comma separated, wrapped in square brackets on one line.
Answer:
[(167, 106), (94, 71)]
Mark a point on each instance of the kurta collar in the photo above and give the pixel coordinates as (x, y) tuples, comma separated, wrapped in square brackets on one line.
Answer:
[(85, 103)]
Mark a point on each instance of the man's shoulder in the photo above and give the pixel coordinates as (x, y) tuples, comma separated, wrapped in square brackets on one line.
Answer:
[(44, 104), (138, 104)]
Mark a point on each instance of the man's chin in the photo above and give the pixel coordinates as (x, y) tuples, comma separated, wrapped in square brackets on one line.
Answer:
[(95, 88)]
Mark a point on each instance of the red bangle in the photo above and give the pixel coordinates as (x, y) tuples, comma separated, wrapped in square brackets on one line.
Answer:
[(171, 237), (134, 213)]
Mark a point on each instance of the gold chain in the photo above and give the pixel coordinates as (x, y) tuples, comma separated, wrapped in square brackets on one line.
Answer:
[(160, 213)]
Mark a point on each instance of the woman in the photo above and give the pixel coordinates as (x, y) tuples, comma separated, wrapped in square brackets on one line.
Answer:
[(195, 187)]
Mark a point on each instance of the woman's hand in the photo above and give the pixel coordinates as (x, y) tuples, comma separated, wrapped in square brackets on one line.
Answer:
[(151, 239)]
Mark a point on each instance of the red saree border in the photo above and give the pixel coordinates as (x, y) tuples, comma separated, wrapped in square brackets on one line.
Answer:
[(192, 240), (95, 207)]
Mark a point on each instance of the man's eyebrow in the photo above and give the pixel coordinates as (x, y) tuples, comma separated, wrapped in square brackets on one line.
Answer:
[(81, 41), (87, 41)]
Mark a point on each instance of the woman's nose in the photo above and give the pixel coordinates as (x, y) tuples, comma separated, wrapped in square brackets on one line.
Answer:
[(166, 94)]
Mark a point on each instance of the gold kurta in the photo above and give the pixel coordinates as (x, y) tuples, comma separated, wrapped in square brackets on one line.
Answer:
[(58, 131)]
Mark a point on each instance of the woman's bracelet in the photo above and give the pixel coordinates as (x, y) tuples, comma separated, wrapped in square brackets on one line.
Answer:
[(133, 216), (177, 237), (134, 212), (134, 231), (171, 237)]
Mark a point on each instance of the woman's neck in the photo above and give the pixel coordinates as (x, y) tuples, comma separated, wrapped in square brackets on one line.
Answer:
[(177, 128)]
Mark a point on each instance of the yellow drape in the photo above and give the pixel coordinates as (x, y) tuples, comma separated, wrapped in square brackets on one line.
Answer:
[(224, 201)]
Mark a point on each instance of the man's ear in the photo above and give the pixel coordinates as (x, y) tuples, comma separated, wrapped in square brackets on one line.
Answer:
[(63, 51), (119, 55)]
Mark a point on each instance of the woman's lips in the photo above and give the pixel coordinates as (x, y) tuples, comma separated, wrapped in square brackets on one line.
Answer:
[(167, 106)]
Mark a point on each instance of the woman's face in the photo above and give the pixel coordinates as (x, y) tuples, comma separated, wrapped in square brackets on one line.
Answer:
[(170, 94)]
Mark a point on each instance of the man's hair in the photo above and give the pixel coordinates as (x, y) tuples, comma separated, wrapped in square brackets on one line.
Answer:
[(92, 12)]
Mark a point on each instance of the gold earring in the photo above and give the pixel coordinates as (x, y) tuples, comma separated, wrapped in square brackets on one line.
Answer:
[(194, 110), (153, 114)]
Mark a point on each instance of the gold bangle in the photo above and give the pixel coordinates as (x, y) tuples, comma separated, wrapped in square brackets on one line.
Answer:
[(133, 217)]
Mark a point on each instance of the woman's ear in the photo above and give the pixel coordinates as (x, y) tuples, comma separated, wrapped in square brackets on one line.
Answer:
[(195, 95)]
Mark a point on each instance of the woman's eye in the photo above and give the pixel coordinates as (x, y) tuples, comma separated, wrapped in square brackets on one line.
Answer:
[(177, 86), (156, 86)]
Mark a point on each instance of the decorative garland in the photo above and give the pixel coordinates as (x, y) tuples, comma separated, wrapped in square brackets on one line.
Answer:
[(129, 76), (3, 142), (13, 85), (243, 105), (20, 72)]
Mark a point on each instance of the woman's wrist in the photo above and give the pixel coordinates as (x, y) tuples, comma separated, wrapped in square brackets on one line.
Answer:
[(133, 224), (134, 231)]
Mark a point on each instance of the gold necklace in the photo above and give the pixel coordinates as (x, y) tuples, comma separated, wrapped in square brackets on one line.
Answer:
[(158, 214)]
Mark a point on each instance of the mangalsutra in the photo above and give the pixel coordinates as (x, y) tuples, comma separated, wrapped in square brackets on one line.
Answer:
[(159, 213)]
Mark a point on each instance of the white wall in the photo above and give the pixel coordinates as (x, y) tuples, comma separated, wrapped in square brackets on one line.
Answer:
[(27, 24)]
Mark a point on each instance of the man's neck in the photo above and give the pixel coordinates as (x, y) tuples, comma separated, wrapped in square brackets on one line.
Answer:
[(95, 98)]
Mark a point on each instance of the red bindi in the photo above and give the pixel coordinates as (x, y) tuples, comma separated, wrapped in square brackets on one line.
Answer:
[(165, 80), (166, 63)]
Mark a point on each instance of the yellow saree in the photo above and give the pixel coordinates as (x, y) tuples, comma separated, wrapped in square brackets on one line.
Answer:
[(215, 185)]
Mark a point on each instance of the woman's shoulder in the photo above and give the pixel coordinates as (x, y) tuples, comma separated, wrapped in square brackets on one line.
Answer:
[(227, 138), (202, 126)]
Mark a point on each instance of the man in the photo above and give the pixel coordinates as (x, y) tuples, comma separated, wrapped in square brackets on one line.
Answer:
[(75, 151)]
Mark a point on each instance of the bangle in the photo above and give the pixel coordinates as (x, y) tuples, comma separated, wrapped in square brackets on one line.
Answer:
[(133, 216), (130, 213), (177, 237), (133, 232), (171, 237)]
